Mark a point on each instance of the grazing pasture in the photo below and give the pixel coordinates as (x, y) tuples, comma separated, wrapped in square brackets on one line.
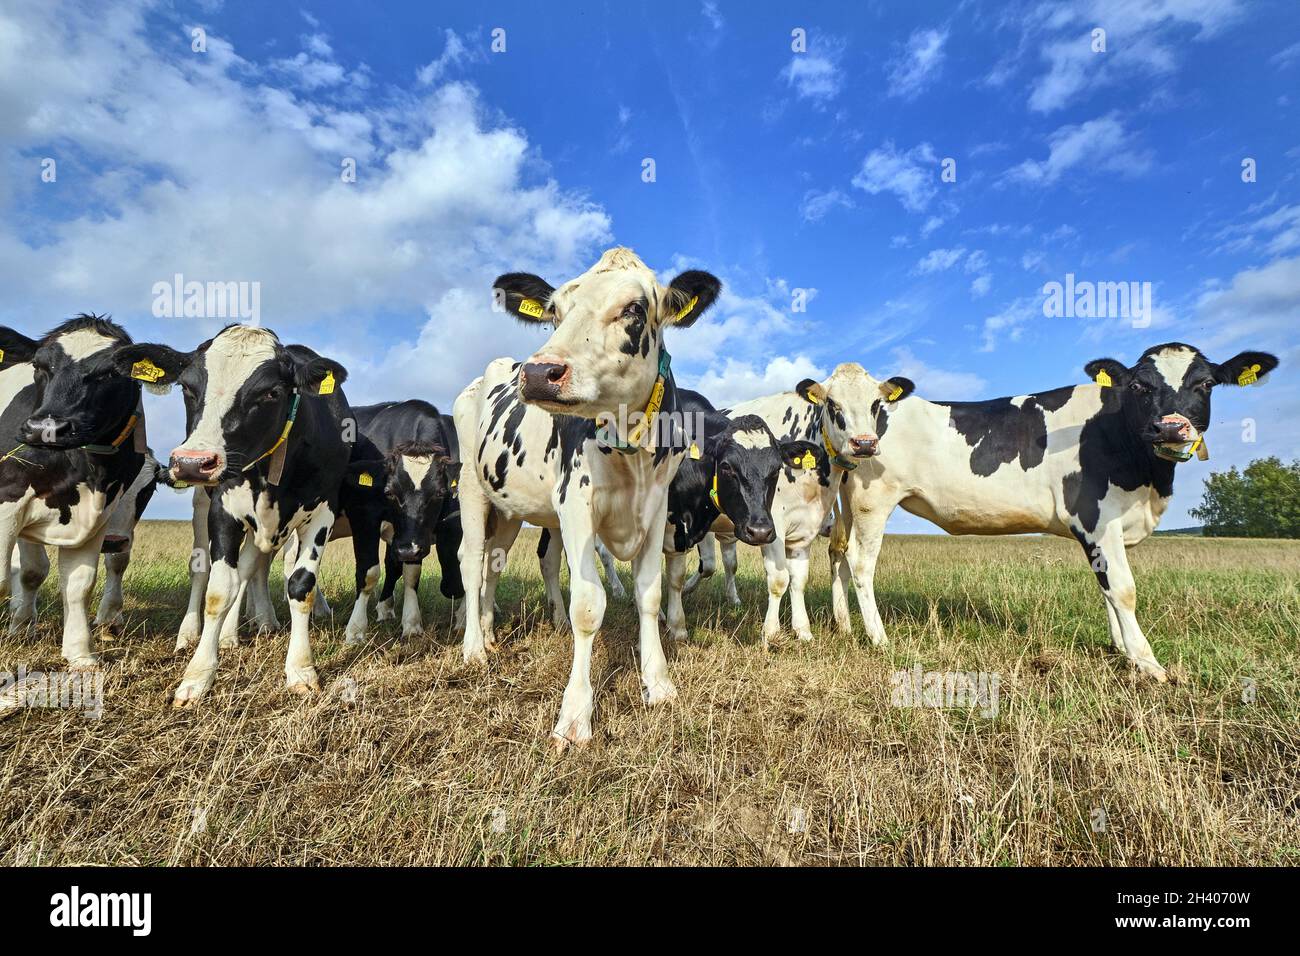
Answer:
[(793, 757)]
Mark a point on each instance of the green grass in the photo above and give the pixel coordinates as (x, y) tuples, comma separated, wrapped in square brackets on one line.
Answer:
[(437, 762)]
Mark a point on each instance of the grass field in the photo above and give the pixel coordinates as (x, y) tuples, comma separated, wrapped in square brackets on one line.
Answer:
[(792, 757)]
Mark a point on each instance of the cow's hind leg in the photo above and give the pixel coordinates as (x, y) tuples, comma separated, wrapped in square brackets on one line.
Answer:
[(192, 622), (675, 566), (262, 611), (549, 555), (778, 580), (1109, 561), (109, 615), (656, 686), (498, 552), (612, 579), (33, 567), (728, 547), (796, 560), (365, 552), (475, 511), (707, 550)]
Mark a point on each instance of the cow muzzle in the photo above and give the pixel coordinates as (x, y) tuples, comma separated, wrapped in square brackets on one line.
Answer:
[(408, 552), (46, 431), (195, 466), (756, 533), (864, 446), (543, 381), (1173, 429)]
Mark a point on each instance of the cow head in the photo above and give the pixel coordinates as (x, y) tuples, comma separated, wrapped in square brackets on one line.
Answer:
[(851, 402), (746, 459), (239, 387), (80, 399), (1165, 397), (416, 478), (609, 323)]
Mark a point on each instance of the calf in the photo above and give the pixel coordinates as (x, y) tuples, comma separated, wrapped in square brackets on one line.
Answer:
[(400, 488), (838, 419), (535, 453), (76, 437), (266, 431), (1091, 462)]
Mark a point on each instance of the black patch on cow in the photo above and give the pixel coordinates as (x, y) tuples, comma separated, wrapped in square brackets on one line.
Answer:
[(1096, 559), (543, 542), (301, 583), (999, 433), (322, 536)]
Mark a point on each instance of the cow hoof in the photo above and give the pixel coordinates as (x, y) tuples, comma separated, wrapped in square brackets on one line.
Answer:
[(384, 611), (303, 683), (734, 600), (228, 643), (476, 656), (412, 633), (354, 637), (661, 691), (1152, 670), (87, 662), (571, 732), (803, 635), (677, 634), (191, 689)]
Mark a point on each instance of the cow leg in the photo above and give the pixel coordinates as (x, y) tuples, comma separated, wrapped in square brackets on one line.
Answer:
[(1116, 632), (863, 550), (226, 578), (656, 686), (365, 552), (259, 594), (550, 554), (586, 611), (109, 614), (614, 582), (778, 580), (446, 541), (728, 547), (1109, 560), (299, 666), (503, 536), (229, 638), (192, 623), (392, 571), (676, 616), (412, 622), (707, 550), (796, 560), (78, 568), (841, 580), (33, 566), (474, 512)]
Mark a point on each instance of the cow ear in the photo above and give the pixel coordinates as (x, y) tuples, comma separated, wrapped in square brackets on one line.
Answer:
[(1106, 371), (15, 347), (1245, 369), (523, 295), (897, 388), (452, 469), (320, 376), (157, 366), (689, 295), (811, 391)]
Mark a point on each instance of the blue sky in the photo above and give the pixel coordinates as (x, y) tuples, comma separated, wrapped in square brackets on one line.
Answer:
[(777, 170)]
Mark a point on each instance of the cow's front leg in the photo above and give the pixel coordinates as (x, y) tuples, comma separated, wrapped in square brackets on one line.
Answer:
[(1109, 560), (109, 615), (33, 566), (728, 547), (656, 686), (412, 621), (863, 550), (233, 561), (778, 580), (474, 512), (586, 612), (549, 555), (78, 568), (841, 580), (392, 571), (192, 622), (612, 579), (706, 549), (229, 639), (796, 560), (299, 665), (675, 566), (365, 552)]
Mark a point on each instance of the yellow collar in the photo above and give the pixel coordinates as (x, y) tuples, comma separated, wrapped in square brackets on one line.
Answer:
[(836, 457)]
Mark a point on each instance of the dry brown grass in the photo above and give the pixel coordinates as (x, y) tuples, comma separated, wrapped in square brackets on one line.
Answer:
[(437, 763)]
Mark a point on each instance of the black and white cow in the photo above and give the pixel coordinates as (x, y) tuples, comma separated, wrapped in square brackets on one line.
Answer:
[(267, 429), (1091, 462), (532, 453), (74, 446), (838, 419), (401, 487)]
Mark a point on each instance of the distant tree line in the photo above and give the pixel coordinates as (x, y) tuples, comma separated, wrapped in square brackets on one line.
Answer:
[(1263, 501)]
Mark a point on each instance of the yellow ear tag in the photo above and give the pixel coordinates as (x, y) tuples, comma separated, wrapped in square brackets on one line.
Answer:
[(2, 355), (146, 371), (1249, 377), (453, 482), (327, 384), (895, 394), (1103, 379), (531, 307), (687, 310), (813, 398), (807, 462), (365, 480), (694, 452)]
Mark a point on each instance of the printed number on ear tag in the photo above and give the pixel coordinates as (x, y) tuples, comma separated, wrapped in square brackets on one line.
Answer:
[(1249, 376), (807, 462), (531, 307), (365, 480), (1103, 379), (694, 452), (146, 371), (327, 384)]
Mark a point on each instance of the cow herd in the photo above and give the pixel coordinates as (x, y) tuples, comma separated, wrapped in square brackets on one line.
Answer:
[(592, 440)]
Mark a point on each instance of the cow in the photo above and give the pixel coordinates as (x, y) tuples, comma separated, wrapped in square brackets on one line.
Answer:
[(401, 487), (534, 452), (838, 419), (267, 430), (75, 428), (1092, 462), (727, 481)]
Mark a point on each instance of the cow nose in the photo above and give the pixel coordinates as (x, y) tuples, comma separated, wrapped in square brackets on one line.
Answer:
[(45, 431), (864, 446), (542, 381), (408, 552), (759, 532), (190, 465), (1171, 429)]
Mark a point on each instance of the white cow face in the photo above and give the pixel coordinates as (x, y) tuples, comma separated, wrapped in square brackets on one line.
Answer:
[(851, 401), (609, 322)]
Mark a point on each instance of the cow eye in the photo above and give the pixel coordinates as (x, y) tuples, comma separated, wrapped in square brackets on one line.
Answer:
[(1137, 386), (1205, 386), (634, 310)]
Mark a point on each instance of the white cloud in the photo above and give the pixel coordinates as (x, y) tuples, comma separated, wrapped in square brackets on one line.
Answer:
[(1009, 324), (980, 286), (905, 174), (939, 260), (919, 65), (816, 204), (453, 52), (815, 75), (936, 383), (1099, 144), (710, 12), (1256, 310), (736, 381)]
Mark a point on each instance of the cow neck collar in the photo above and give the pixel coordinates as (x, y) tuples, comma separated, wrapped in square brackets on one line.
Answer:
[(279, 450), (632, 444), (112, 448), (837, 459)]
